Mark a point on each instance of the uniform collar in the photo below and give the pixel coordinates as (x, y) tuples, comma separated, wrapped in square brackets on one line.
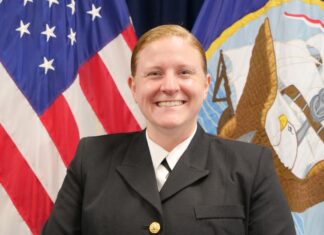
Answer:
[(158, 153)]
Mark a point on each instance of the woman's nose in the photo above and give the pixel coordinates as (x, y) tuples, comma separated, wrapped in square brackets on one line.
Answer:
[(170, 83)]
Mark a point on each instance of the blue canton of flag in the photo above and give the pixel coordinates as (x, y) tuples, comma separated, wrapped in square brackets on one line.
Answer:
[(44, 42)]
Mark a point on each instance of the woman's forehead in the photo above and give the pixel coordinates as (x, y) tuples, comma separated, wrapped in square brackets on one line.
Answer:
[(171, 44)]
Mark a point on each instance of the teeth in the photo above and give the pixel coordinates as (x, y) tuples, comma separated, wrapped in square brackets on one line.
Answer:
[(170, 103)]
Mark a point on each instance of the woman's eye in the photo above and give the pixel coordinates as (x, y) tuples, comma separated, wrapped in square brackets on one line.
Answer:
[(153, 74), (185, 72)]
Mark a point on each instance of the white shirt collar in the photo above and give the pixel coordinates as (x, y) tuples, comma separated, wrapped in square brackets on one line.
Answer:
[(158, 153)]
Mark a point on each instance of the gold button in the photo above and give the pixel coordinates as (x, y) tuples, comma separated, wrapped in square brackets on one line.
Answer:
[(154, 227)]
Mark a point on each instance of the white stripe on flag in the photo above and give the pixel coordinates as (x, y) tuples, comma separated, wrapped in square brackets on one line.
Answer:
[(86, 119), (10, 220), (31, 138), (119, 67)]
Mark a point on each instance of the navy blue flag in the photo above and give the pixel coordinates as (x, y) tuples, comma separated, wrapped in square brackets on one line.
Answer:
[(265, 58)]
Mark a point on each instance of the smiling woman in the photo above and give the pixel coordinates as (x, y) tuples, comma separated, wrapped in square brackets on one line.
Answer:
[(171, 178), (169, 83)]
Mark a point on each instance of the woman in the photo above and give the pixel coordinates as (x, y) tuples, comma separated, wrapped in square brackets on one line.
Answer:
[(121, 184)]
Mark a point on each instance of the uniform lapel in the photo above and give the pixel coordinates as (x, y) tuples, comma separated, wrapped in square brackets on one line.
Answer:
[(137, 170), (190, 167)]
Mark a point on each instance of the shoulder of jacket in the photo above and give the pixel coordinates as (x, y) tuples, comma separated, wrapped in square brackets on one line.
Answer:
[(236, 147), (110, 137), (107, 141)]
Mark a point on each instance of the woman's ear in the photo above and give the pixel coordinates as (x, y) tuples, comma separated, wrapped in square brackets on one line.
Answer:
[(207, 83), (131, 85)]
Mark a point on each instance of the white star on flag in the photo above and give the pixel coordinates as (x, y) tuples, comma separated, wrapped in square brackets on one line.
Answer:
[(50, 2), (23, 28), (49, 32), (72, 36), (94, 12), (72, 6), (47, 64), (26, 1)]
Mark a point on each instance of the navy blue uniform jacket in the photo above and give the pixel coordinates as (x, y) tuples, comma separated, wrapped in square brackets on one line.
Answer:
[(218, 187)]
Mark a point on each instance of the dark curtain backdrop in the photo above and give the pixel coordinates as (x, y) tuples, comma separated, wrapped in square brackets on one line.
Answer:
[(147, 14)]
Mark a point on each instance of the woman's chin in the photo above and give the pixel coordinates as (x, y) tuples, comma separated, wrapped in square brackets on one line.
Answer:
[(172, 124)]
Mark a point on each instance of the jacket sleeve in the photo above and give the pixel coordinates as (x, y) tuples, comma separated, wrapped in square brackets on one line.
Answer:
[(269, 211), (65, 217)]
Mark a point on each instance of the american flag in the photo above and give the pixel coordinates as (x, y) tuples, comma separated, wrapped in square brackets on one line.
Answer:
[(64, 66)]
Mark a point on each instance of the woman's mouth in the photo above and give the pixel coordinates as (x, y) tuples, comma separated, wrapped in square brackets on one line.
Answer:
[(170, 103)]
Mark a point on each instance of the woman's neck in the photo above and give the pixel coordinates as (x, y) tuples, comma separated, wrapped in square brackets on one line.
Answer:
[(169, 138)]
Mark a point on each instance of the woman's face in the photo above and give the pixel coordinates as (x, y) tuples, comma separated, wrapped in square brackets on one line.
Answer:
[(169, 84)]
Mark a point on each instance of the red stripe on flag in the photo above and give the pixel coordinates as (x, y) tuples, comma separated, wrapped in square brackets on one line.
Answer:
[(129, 36), (61, 126), (23, 187), (104, 97), (307, 18)]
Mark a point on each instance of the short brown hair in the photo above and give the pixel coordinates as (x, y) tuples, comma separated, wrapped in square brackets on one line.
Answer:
[(164, 31)]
